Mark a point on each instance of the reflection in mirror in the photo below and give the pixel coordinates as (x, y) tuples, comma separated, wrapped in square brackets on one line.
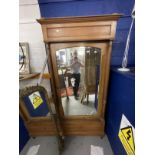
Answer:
[(78, 72)]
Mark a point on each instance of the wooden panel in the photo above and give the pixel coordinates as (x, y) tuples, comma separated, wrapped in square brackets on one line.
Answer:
[(78, 31), (79, 28), (41, 127), (70, 127), (83, 127), (75, 32), (79, 19)]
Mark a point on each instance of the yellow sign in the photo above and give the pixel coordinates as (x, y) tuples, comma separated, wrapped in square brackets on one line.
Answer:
[(36, 99), (126, 135), (127, 139)]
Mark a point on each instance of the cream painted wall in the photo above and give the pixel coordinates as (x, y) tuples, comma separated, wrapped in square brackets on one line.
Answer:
[(30, 31)]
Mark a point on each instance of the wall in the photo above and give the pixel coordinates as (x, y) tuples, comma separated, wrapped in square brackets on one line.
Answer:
[(30, 31), (61, 8)]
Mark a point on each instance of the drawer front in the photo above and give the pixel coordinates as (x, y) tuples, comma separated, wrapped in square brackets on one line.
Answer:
[(79, 31)]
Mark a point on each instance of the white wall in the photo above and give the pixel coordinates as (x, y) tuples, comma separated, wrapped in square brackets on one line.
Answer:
[(30, 31)]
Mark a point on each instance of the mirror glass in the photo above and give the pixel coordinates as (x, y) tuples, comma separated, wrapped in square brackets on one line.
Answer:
[(78, 79)]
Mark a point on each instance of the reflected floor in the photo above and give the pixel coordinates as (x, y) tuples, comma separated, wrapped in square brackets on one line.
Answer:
[(75, 107)]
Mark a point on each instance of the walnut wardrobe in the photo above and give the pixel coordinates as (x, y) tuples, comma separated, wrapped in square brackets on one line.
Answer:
[(90, 39)]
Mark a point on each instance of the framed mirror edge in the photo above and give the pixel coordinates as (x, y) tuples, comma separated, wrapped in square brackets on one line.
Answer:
[(28, 118), (54, 47)]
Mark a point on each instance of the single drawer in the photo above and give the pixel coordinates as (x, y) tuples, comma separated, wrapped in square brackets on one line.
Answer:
[(79, 31)]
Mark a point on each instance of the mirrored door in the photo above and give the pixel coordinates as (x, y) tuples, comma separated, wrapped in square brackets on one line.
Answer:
[(78, 72)]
